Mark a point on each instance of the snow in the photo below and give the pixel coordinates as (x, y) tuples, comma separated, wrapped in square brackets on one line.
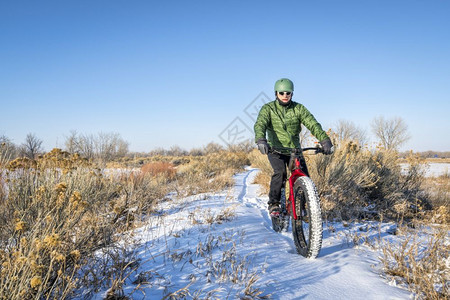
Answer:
[(431, 169), (194, 244), (437, 169)]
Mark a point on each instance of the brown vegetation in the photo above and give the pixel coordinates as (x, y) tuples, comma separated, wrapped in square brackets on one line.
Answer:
[(55, 212), (165, 169), (355, 183), (58, 209), (421, 264)]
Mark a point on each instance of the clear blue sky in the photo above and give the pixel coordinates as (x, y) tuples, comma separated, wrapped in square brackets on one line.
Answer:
[(163, 73)]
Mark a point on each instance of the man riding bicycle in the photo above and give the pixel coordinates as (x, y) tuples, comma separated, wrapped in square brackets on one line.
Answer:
[(282, 120)]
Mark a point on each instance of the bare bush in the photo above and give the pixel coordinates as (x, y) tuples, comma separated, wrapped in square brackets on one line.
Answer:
[(158, 151), (212, 148), (176, 151), (244, 146), (357, 183), (60, 208), (159, 167), (420, 264), (438, 191), (196, 152)]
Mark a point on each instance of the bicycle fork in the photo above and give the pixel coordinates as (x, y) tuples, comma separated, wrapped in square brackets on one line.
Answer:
[(295, 174)]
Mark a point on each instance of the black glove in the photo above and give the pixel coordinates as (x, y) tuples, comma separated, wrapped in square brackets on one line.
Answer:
[(327, 146), (263, 147)]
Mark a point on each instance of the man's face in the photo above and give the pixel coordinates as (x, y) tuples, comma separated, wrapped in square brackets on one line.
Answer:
[(283, 96)]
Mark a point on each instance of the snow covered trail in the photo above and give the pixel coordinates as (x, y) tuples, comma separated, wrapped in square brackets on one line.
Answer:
[(340, 272), (222, 246)]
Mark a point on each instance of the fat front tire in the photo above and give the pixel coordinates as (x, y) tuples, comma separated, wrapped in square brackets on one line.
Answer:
[(307, 230)]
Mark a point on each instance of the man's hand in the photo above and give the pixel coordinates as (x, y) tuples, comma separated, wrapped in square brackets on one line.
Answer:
[(263, 146), (327, 146)]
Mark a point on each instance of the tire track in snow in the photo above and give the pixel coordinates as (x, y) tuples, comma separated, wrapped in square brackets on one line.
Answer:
[(340, 272), (248, 196)]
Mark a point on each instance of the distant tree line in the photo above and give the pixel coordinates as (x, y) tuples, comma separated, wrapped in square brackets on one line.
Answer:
[(430, 154), (390, 135), (103, 146), (31, 147), (212, 147)]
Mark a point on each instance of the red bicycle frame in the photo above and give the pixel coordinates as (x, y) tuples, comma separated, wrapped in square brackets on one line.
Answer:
[(295, 173)]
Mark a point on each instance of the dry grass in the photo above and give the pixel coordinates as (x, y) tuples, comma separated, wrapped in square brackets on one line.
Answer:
[(55, 213), (438, 160), (438, 191), (217, 259), (414, 256), (261, 162), (209, 173), (57, 210), (356, 183), (422, 265)]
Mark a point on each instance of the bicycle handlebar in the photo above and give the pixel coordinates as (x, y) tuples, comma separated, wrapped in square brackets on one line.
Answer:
[(317, 149)]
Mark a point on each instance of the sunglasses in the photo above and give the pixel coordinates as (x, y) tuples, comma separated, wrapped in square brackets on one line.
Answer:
[(282, 93)]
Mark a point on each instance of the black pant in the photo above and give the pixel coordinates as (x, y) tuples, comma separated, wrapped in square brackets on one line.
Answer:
[(279, 162)]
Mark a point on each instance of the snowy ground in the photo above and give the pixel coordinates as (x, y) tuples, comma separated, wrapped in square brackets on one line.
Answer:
[(432, 169), (437, 169), (222, 246)]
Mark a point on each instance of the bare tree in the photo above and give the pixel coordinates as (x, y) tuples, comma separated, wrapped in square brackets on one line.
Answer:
[(348, 131), (158, 151), (212, 148), (245, 146), (71, 142), (196, 152), (81, 144), (104, 146), (176, 151), (7, 148), (31, 147), (392, 133), (305, 137), (110, 146)]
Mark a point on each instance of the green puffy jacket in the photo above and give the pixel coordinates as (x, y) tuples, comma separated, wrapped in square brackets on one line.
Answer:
[(283, 124)]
